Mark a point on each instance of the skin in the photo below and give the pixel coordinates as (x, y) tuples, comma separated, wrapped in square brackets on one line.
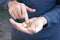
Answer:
[(19, 10)]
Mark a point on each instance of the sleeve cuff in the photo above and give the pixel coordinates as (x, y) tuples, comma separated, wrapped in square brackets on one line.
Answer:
[(48, 20)]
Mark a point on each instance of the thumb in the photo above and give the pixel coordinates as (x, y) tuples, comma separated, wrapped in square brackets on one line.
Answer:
[(30, 9), (13, 22)]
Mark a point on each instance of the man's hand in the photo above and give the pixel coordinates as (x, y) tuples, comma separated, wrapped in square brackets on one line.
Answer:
[(19, 10), (36, 24), (32, 26), (20, 26)]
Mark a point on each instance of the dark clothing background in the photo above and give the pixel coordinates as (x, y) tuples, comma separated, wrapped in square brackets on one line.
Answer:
[(58, 2)]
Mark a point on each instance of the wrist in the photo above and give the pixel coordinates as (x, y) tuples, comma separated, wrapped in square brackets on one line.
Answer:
[(11, 3), (43, 19)]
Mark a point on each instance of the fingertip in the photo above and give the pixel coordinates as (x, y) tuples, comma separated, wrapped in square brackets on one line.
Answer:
[(26, 21), (34, 10), (12, 21)]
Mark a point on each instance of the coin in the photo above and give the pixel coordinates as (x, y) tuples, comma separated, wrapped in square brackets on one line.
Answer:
[(28, 24)]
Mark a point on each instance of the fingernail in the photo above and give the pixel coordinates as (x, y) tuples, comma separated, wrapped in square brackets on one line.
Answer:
[(34, 9)]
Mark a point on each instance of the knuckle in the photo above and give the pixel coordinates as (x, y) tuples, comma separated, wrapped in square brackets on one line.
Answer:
[(34, 31), (22, 3)]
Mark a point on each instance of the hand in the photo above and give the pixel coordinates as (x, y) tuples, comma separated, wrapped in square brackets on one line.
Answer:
[(32, 26), (19, 10), (20, 26), (35, 25)]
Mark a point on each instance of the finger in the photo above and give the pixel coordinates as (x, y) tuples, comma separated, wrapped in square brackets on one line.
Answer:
[(19, 26), (30, 9), (19, 11), (11, 13), (15, 10), (24, 12), (14, 23), (24, 24)]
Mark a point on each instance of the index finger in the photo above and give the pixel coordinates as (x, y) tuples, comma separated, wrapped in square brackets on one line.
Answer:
[(24, 12)]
